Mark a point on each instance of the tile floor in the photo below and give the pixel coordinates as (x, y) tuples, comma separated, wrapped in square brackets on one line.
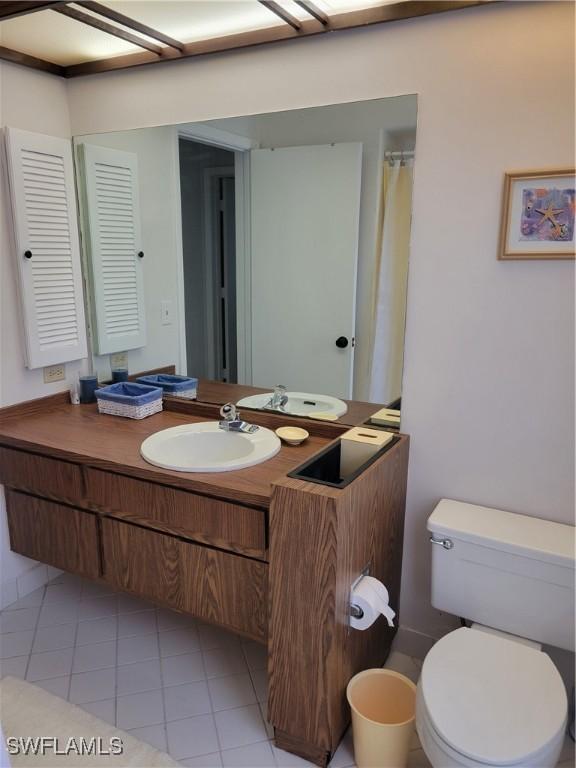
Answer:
[(187, 688)]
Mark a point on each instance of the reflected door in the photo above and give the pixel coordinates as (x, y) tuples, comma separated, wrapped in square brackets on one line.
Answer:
[(305, 209)]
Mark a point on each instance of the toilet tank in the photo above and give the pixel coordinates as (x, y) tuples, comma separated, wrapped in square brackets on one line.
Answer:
[(507, 571)]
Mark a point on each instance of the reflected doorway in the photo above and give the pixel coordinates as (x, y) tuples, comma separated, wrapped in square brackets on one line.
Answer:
[(207, 188)]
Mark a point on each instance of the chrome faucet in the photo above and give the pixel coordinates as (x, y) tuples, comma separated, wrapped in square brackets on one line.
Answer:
[(278, 400), (231, 421)]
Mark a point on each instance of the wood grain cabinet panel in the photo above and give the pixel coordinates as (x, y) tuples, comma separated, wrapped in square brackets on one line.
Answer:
[(52, 533), (208, 521), (216, 586), (355, 527), (38, 474)]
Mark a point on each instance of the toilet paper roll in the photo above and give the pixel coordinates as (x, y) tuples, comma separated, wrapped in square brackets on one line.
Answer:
[(371, 596)]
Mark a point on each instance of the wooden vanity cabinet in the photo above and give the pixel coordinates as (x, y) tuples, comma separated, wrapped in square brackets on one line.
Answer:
[(193, 553), (202, 519), (321, 541), (47, 477), (216, 586), (264, 552), (52, 533)]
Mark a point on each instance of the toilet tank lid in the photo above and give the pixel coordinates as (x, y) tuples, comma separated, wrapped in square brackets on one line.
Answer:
[(519, 534)]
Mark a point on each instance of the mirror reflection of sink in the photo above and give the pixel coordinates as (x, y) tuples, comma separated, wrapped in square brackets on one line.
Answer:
[(299, 404), (204, 447)]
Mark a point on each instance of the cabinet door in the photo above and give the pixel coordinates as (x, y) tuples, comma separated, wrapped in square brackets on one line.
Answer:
[(52, 533), (41, 178), (222, 588), (111, 231)]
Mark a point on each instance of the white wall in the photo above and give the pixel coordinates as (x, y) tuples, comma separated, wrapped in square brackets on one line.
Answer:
[(35, 102), (489, 360), (159, 187)]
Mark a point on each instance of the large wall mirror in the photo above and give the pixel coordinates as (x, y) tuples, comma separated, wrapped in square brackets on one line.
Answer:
[(262, 250)]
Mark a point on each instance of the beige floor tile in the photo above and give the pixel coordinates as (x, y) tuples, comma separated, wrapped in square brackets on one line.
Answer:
[(192, 737), (250, 756), (238, 727), (187, 700)]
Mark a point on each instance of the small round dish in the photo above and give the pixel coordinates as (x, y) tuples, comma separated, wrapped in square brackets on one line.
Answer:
[(292, 435), (323, 416)]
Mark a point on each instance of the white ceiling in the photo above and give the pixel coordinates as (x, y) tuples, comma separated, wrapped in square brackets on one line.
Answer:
[(49, 35)]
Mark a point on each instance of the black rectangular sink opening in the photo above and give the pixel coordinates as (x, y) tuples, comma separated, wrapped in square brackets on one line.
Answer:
[(324, 467), (381, 427)]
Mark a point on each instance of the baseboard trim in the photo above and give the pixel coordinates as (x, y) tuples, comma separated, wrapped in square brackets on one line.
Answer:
[(413, 643), (35, 577)]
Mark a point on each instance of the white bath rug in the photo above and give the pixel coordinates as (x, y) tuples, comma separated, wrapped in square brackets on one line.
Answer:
[(61, 735)]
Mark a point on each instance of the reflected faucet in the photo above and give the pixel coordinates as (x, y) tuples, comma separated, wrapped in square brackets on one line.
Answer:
[(278, 400), (231, 421)]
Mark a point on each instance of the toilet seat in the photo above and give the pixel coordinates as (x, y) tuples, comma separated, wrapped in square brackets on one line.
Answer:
[(492, 700), (441, 755)]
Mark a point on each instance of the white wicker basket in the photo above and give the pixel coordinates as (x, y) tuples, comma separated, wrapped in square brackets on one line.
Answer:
[(187, 394), (129, 411)]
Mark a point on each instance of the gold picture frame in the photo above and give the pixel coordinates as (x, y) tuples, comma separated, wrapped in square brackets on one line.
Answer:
[(538, 215)]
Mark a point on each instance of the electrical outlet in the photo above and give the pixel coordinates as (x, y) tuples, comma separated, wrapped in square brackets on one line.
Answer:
[(119, 360), (166, 312), (54, 373)]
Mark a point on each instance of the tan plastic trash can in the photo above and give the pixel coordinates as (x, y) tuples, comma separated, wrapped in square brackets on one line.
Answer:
[(383, 704)]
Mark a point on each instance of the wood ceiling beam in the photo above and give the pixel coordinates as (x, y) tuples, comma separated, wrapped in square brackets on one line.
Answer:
[(10, 10), (127, 21), (103, 26), (342, 21), (286, 17), (24, 59), (314, 11)]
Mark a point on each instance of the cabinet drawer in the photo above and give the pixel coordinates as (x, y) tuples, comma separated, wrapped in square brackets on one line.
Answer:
[(209, 521), (38, 474), (51, 533), (216, 586)]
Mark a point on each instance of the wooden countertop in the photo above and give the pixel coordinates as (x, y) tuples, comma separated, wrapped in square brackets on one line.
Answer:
[(78, 433), (219, 392)]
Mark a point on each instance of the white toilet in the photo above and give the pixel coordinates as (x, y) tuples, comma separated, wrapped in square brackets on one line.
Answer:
[(488, 695)]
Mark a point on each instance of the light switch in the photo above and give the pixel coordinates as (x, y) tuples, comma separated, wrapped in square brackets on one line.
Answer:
[(166, 312)]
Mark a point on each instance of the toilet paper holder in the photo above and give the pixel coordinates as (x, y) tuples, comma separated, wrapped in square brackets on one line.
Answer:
[(369, 599), (355, 611)]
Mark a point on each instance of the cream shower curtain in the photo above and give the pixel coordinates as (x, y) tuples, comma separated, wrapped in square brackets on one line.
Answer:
[(391, 273)]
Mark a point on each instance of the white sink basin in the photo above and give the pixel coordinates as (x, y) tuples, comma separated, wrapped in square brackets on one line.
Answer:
[(204, 447), (300, 404)]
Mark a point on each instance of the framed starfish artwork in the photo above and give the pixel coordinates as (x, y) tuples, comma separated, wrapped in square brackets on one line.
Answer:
[(538, 215)]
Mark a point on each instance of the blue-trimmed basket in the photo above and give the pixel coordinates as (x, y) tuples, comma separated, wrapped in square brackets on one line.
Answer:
[(177, 386), (129, 399)]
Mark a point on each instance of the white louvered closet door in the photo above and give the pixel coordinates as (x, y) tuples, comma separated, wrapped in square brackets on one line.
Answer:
[(113, 242), (41, 178)]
